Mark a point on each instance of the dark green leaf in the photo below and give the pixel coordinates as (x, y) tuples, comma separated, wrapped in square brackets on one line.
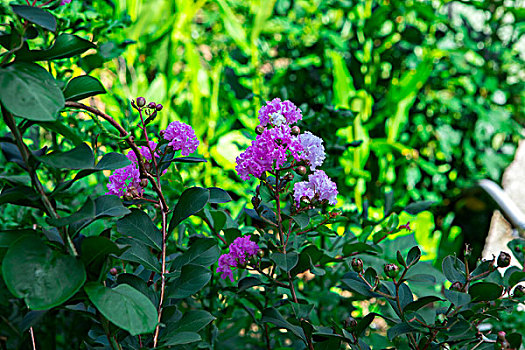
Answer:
[(400, 259), (192, 279), (80, 157), (9, 236), (413, 256), (273, 316), (193, 320), (181, 338), (454, 269), (301, 219), (363, 324), (82, 87), (516, 277), (36, 15), (485, 291), (65, 45), (44, 277), (139, 253), (419, 303), (248, 282), (285, 262), (399, 329), (97, 248), (29, 91), (457, 298), (514, 340), (190, 202), (112, 161), (138, 225), (125, 306), (218, 195), (202, 251)]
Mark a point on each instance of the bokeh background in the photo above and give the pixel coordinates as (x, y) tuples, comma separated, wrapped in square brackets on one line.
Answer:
[(416, 100)]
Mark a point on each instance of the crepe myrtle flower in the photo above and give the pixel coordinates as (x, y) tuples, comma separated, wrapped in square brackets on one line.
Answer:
[(181, 137), (277, 113), (64, 2), (313, 149), (269, 151), (241, 250), (319, 187)]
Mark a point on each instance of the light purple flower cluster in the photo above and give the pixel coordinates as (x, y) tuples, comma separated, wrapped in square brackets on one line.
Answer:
[(63, 2), (313, 149), (276, 144), (277, 113), (269, 150), (240, 250), (144, 151), (181, 137), (318, 187)]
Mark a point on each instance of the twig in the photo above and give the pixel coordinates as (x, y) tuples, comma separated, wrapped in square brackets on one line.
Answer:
[(32, 337)]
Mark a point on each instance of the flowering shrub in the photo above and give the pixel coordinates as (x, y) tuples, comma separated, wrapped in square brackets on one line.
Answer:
[(130, 269)]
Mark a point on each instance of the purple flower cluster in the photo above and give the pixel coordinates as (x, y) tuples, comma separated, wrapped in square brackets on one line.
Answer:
[(269, 150), (318, 187), (126, 181), (277, 113), (63, 2), (277, 145), (240, 250), (181, 137)]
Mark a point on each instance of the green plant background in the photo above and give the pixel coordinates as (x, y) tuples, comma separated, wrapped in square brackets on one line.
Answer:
[(416, 100)]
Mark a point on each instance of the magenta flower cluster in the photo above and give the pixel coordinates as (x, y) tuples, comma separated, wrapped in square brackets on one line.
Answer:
[(241, 250), (63, 2), (277, 113), (181, 137), (319, 187), (126, 181), (276, 144)]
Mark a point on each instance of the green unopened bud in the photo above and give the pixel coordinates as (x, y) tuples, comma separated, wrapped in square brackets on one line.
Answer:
[(357, 265), (503, 259), (288, 176), (391, 270), (301, 170), (259, 130), (519, 291), (141, 101), (456, 286), (295, 130)]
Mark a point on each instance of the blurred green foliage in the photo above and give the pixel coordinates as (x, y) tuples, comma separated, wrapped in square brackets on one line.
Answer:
[(416, 100)]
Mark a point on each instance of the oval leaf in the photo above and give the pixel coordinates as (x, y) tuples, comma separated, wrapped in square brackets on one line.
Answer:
[(29, 91), (65, 45), (82, 87), (125, 306), (190, 202), (36, 15), (192, 279), (44, 277)]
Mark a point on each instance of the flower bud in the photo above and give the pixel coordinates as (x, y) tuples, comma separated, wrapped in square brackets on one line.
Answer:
[(288, 176), (260, 253), (152, 105), (259, 130), (391, 270), (456, 286), (159, 107), (256, 201), (144, 182), (350, 323), (301, 170), (141, 101), (295, 130), (519, 291), (503, 259), (357, 265), (501, 335), (113, 271)]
